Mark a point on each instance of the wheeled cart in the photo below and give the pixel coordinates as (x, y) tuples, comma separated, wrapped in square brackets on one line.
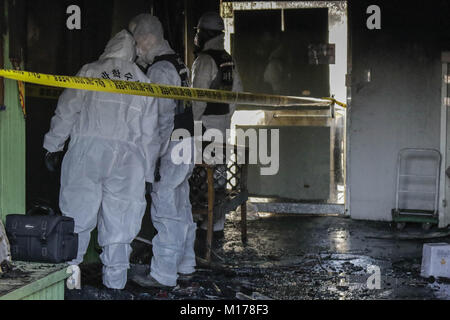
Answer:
[(417, 188)]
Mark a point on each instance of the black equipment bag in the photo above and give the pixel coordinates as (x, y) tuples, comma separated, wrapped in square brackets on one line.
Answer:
[(41, 238)]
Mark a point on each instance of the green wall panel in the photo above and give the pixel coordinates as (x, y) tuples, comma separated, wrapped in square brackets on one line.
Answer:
[(53, 292), (12, 149)]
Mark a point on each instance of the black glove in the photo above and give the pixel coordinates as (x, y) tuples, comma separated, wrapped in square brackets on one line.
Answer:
[(148, 188), (157, 171), (53, 161)]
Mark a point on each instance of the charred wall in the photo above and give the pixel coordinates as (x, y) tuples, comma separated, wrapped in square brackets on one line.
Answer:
[(400, 107)]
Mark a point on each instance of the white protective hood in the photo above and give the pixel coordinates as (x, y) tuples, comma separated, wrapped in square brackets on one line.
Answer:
[(121, 46), (149, 35)]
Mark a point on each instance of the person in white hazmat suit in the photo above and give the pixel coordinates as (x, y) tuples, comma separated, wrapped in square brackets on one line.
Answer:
[(171, 211), (214, 68), (114, 142)]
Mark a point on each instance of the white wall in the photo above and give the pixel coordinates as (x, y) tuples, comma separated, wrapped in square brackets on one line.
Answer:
[(399, 108)]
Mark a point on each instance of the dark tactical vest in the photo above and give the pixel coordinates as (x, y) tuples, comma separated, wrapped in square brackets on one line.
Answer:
[(223, 81), (184, 118)]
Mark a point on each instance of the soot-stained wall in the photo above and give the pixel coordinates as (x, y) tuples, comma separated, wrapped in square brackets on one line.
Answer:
[(400, 107)]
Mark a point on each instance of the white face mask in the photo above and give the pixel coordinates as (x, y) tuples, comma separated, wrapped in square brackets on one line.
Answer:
[(145, 46), (139, 52)]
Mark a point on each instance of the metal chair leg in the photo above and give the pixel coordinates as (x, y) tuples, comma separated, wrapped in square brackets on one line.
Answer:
[(209, 238), (244, 205), (244, 222)]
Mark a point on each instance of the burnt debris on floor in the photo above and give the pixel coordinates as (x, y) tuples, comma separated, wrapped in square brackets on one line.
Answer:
[(9, 271), (295, 258)]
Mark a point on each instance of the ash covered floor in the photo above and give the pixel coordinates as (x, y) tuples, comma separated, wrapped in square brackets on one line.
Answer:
[(296, 258)]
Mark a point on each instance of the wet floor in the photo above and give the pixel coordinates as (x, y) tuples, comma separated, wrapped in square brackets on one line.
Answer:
[(298, 258)]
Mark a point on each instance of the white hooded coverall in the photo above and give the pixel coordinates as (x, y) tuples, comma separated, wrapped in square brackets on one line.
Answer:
[(113, 152), (173, 246), (204, 71)]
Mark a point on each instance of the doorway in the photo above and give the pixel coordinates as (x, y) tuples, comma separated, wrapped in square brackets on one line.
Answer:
[(272, 44)]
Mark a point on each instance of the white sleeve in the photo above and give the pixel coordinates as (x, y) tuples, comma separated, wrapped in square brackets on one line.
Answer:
[(150, 137), (165, 73), (237, 87), (204, 70), (66, 115)]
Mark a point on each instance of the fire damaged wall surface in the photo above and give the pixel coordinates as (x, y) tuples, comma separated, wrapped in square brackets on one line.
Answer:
[(53, 48), (400, 106)]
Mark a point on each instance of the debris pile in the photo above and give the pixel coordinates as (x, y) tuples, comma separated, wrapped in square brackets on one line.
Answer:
[(9, 271)]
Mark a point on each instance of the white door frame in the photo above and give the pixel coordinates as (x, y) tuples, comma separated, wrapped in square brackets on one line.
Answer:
[(444, 192)]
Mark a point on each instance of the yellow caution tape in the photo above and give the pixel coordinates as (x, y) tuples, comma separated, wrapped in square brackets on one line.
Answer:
[(53, 93), (45, 92), (21, 89), (161, 91), (344, 105)]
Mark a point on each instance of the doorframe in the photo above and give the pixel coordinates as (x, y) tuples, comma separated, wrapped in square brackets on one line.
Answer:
[(348, 119), (335, 8), (444, 185)]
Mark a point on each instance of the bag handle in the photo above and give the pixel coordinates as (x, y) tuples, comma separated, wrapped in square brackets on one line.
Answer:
[(41, 208)]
